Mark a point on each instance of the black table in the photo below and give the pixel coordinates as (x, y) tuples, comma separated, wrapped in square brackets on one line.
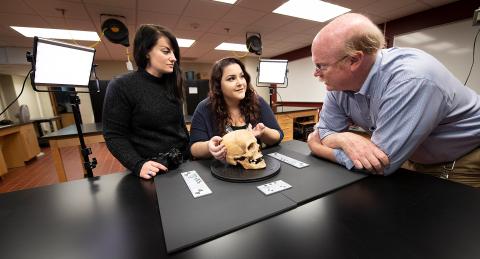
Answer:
[(38, 123), (405, 215)]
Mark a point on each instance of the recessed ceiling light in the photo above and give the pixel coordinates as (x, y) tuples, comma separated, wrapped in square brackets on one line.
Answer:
[(185, 43), (57, 33), (226, 1), (313, 10), (232, 46)]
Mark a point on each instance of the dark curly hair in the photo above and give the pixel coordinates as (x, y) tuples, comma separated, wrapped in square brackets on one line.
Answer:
[(249, 106), (146, 38)]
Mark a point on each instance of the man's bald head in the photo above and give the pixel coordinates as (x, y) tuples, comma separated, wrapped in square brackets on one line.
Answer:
[(349, 33)]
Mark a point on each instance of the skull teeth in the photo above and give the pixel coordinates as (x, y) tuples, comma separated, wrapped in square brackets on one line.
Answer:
[(256, 161)]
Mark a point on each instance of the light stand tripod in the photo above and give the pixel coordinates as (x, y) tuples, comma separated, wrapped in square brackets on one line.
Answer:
[(86, 151)]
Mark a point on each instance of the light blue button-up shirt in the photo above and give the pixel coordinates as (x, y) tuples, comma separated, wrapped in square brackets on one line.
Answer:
[(412, 107)]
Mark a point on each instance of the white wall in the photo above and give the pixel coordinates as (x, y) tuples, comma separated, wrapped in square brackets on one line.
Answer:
[(107, 70), (8, 94), (28, 96), (451, 44), (302, 85)]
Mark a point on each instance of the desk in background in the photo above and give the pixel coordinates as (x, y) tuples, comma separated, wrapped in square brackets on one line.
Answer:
[(405, 215), (68, 137), (18, 143), (288, 117), (38, 125)]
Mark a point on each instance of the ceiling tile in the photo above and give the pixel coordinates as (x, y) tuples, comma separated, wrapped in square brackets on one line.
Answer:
[(163, 6), (188, 34), (299, 25), (406, 10), (129, 4), (357, 4), (227, 28), (22, 20), (266, 5), (273, 21), (194, 23), (51, 8), (206, 9), (166, 20), (70, 24), (243, 15), (381, 7), (213, 38), (15, 6)]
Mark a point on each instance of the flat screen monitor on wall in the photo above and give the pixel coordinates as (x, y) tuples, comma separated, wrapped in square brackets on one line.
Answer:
[(272, 71), (59, 63)]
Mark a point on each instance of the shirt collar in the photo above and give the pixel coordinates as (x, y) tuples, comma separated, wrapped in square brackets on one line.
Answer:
[(364, 90)]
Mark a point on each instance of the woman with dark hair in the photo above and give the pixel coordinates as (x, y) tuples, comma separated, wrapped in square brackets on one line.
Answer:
[(143, 120), (232, 104)]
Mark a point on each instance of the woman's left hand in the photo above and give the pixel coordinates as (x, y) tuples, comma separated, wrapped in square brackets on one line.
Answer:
[(258, 130)]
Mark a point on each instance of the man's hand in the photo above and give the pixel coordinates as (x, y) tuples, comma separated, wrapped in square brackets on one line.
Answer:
[(315, 144), (363, 153)]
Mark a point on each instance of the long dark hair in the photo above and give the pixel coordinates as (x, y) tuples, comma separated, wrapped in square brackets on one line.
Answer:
[(249, 106), (145, 39)]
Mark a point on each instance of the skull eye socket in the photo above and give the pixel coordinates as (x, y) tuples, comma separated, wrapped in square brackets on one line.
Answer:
[(251, 146)]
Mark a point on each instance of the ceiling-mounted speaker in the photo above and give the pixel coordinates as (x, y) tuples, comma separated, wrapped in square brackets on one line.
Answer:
[(254, 42), (116, 31)]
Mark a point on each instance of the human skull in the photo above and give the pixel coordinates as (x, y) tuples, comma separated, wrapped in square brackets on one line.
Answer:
[(242, 148)]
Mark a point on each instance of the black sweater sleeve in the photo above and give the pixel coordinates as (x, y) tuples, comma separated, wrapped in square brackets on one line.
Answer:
[(117, 113)]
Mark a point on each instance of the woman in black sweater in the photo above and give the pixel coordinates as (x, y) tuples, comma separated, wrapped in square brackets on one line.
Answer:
[(142, 112)]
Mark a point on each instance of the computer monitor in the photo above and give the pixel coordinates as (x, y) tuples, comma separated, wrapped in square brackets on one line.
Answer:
[(59, 63), (272, 71)]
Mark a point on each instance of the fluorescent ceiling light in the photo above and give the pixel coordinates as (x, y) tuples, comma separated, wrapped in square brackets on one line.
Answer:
[(185, 43), (232, 46), (57, 33), (226, 1), (314, 10)]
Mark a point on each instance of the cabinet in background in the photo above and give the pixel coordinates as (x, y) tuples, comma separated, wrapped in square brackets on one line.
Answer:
[(18, 144), (290, 117)]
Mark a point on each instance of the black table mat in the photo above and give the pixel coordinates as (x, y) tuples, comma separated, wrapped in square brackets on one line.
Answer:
[(188, 221)]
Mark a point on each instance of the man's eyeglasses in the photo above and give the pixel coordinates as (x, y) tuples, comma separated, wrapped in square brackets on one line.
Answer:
[(324, 67)]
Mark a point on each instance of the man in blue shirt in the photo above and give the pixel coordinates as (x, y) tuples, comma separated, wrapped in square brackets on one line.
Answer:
[(408, 102)]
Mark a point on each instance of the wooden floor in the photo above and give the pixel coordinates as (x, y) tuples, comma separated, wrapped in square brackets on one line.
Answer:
[(40, 171)]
